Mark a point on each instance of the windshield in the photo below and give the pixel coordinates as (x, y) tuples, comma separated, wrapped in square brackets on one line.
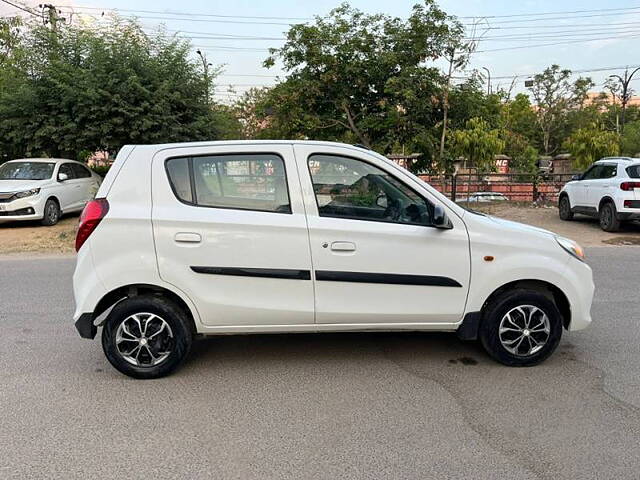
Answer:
[(26, 171)]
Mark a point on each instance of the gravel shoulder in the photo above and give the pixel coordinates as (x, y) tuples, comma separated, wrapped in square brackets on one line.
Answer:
[(32, 238)]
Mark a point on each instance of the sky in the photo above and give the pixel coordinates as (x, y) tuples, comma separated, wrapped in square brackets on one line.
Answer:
[(597, 35)]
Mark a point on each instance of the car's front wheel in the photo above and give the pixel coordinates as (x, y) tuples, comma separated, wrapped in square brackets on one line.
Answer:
[(146, 337), (521, 328), (51, 213)]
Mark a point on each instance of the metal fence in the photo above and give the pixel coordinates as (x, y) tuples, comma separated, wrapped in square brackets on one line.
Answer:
[(517, 187)]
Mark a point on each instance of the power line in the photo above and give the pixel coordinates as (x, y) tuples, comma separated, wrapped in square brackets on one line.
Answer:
[(553, 18), (552, 13), (556, 43), (21, 7)]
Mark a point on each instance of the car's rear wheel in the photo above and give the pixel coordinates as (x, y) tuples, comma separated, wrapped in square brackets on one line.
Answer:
[(564, 208), (521, 328), (609, 221), (51, 213), (146, 337)]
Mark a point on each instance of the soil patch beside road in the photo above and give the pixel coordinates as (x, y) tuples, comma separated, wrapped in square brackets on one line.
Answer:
[(31, 237)]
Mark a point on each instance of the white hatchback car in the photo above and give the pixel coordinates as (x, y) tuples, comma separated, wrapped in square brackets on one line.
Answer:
[(609, 190), (44, 189), (283, 236)]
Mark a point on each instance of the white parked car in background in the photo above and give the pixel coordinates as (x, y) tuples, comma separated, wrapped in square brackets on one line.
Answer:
[(262, 237), (484, 197), (44, 189), (608, 190)]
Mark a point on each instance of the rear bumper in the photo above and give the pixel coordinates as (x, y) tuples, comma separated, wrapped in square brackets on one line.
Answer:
[(85, 326)]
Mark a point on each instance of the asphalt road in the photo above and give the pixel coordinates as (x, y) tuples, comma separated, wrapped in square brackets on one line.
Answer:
[(318, 406)]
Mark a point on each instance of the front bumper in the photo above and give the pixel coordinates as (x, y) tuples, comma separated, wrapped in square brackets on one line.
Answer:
[(28, 208)]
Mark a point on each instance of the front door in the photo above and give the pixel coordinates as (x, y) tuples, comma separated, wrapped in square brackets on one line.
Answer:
[(376, 258), (230, 231)]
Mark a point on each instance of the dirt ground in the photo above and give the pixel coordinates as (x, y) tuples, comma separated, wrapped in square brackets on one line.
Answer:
[(21, 237), (584, 230), (31, 237)]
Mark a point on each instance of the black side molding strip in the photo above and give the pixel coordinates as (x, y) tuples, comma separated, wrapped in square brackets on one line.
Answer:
[(388, 278), (256, 272)]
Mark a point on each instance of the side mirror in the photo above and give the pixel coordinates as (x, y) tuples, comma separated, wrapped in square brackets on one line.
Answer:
[(382, 201), (577, 176), (62, 177), (440, 219)]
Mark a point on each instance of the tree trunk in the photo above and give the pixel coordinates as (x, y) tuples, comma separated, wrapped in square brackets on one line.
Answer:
[(354, 128)]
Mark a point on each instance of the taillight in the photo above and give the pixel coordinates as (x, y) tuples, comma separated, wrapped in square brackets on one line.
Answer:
[(90, 218), (626, 186)]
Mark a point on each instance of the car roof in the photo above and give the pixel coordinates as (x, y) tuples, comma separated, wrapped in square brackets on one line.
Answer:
[(43, 160), (616, 159)]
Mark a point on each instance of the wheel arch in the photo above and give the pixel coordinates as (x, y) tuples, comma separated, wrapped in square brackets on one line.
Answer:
[(606, 199), (123, 292), (546, 288)]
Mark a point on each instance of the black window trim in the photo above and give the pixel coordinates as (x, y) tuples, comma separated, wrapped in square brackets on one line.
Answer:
[(315, 197), (192, 180)]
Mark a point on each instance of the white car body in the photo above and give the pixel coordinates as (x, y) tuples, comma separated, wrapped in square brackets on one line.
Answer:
[(71, 194), (151, 240), (588, 194)]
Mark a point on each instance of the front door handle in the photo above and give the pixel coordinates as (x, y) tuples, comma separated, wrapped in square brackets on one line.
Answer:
[(187, 237), (343, 247)]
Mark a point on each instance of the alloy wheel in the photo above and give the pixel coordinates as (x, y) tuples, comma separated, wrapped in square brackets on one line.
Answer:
[(524, 330), (144, 340)]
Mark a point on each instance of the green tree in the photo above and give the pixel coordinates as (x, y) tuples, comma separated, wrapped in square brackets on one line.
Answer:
[(587, 145), (362, 78), (70, 90), (478, 144), (555, 95), (630, 141)]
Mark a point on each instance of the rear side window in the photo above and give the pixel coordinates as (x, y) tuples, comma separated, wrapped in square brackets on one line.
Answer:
[(633, 171), (80, 171), (238, 181), (608, 171)]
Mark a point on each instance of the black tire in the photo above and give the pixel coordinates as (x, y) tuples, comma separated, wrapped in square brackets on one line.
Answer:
[(609, 221), (174, 342), (51, 213), (564, 208), (497, 310)]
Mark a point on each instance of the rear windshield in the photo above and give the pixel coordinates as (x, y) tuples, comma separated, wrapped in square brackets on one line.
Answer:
[(633, 171), (26, 171)]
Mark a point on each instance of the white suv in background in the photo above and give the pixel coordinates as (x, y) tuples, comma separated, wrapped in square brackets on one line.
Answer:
[(44, 188), (283, 236), (608, 190)]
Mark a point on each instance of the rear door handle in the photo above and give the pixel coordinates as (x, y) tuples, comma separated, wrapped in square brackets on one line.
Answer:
[(343, 247), (187, 237)]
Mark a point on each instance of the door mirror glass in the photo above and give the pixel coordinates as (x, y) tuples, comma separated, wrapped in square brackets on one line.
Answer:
[(576, 177), (382, 201), (63, 177), (440, 219)]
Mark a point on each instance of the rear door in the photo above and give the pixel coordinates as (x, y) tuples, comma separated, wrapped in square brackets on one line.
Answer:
[(89, 185), (602, 185), (376, 257), (231, 232)]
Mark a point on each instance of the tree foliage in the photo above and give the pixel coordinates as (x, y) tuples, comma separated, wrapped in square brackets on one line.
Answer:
[(587, 145), (69, 89), (478, 144)]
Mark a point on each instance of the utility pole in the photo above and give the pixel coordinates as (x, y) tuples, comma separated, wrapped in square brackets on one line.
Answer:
[(50, 15), (205, 66), (626, 92), (488, 80)]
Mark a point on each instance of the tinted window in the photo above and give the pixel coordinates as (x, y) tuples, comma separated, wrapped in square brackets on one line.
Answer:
[(633, 171), (350, 188), (66, 169), (26, 171), (607, 171), (242, 181), (80, 171), (592, 173), (178, 171)]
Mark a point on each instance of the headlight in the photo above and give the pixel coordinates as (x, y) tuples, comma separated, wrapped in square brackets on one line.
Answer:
[(27, 193), (572, 247)]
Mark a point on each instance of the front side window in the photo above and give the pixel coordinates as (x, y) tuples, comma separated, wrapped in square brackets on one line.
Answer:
[(593, 173), (238, 181), (67, 169), (348, 188), (26, 171)]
